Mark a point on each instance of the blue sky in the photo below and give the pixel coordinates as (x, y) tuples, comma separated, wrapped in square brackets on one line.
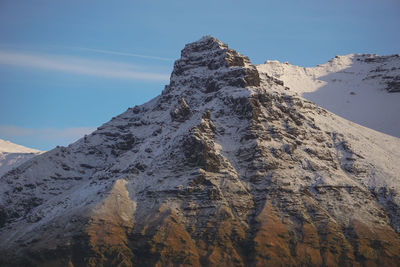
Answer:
[(66, 67)]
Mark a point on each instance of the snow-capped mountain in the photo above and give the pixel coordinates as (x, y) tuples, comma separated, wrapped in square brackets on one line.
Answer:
[(362, 88), (225, 168), (12, 155)]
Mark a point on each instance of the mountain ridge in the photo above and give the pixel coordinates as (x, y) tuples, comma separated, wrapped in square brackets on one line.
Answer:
[(12, 155), (9, 147), (226, 167), (363, 88)]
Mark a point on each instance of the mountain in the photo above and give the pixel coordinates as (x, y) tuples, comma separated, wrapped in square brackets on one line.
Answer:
[(225, 168), (361, 88), (12, 155)]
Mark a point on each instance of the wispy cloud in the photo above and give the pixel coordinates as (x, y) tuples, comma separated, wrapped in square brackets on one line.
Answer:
[(43, 138), (106, 69), (118, 53)]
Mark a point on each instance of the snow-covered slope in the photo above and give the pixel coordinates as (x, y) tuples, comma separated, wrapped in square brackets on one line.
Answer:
[(362, 88), (224, 168), (12, 155)]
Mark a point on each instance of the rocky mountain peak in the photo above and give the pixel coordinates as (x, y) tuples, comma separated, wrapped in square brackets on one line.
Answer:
[(218, 54), (209, 61)]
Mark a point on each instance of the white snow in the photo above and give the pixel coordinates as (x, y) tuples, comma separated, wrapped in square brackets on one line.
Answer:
[(12, 155), (351, 86), (7, 146)]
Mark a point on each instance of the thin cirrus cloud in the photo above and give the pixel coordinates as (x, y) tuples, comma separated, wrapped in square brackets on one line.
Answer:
[(110, 52), (76, 65)]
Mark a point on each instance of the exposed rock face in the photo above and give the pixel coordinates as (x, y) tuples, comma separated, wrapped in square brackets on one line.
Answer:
[(224, 67), (222, 169), (393, 85), (182, 112)]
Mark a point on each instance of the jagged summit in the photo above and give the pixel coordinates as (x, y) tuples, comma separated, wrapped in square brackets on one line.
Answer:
[(209, 61), (210, 52), (225, 168)]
